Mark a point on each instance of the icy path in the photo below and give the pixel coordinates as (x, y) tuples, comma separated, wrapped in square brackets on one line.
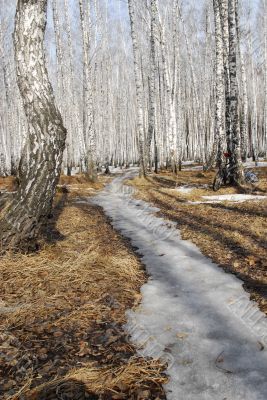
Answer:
[(192, 312)]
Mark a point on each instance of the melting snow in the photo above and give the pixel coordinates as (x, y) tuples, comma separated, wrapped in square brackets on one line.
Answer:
[(248, 164), (188, 189), (184, 189), (236, 198), (192, 312)]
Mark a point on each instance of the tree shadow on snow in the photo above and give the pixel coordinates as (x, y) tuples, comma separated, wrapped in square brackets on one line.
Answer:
[(203, 225)]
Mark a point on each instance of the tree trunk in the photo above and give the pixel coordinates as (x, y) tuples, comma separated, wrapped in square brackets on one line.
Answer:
[(88, 123), (219, 110), (170, 113), (244, 100), (237, 173), (151, 81), (224, 12), (265, 75), (24, 215), (138, 84)]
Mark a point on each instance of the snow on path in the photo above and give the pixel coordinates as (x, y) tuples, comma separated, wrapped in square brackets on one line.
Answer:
[(192, 312)]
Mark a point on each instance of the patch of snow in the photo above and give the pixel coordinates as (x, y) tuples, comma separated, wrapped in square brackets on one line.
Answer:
[(74, 171), (194, 168), (235, 198), (188, 162), (251, 164), (184, 189), (192, 312), (188, 188)]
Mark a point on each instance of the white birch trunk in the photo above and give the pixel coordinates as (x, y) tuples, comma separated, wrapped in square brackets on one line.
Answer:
[(139, 92), (22, 218)]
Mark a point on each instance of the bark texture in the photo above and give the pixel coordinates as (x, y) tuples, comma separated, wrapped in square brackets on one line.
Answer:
[(235, 160), (219, 110), (24, 215)]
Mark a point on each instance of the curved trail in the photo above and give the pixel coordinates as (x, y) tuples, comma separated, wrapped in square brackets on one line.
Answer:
[(192, 313)]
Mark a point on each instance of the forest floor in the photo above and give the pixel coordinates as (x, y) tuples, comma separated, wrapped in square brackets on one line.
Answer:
[(192, 313), (62, 309), (232, 234)]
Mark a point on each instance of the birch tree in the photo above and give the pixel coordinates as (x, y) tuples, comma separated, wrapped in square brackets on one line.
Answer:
[(244, 94), (219, 110), (88, 124), (265, 75), (235, 156), (24, 215), (139, 94), (152, 82)]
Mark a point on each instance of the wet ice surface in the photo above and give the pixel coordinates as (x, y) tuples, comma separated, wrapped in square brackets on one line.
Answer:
[(192, 312)]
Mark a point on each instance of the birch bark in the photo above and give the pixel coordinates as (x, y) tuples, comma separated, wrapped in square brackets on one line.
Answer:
[(151, 81), (235, 159), (88, 125), (244, 100), (265, 76), (24, 215), (139, 94), (219, 110)]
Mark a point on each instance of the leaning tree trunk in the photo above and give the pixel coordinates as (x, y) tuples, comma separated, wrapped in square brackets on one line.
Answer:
[(24, 215)]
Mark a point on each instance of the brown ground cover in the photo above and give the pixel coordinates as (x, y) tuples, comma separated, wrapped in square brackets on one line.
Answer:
[(233, 235), (62, 310)]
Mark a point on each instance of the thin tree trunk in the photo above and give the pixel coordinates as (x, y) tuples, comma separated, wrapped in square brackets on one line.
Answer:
[(219, 110), (151, 82), (244, 101), (170, 111), (224, 6), (265, 77), (88, 125), (139, 94), (235, 159)]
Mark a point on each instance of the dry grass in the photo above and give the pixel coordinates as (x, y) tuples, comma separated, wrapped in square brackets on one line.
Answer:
[(7, 183), (232, 234), (62, 310), (133, 379)]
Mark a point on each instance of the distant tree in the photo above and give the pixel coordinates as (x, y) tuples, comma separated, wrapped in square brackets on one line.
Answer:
[(220, 90), (139, 94), (237, 173), (88, 123)]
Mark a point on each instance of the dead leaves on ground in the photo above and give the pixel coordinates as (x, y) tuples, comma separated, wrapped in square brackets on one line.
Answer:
[(62, 312)]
